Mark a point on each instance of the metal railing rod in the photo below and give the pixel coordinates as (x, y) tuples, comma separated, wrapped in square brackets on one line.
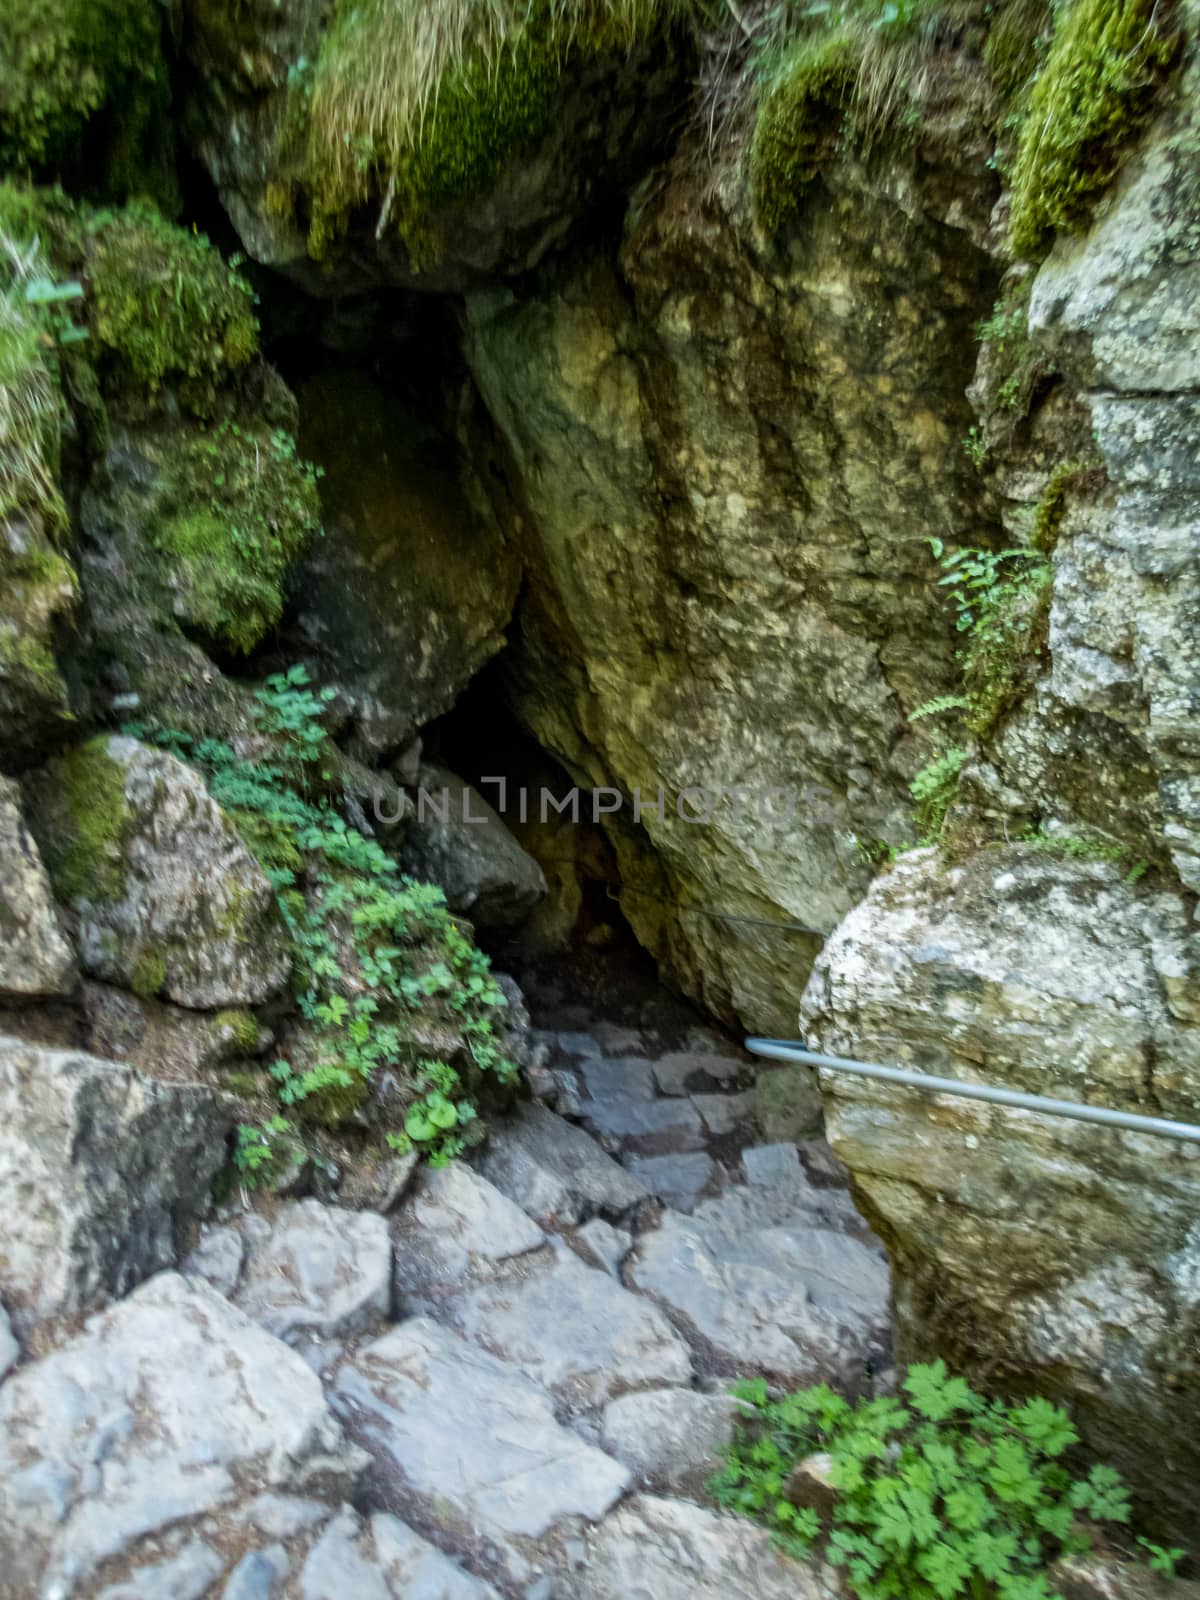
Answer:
[(793, 1050)]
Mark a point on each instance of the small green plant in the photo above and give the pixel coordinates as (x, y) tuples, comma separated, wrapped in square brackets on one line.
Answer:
[(374, 950), (263, 1149), (1079, 847), (1163, 1559), (1017, 365), (292, 708), (936, 1494), (935, 788), (975, 446), (1001, 599)]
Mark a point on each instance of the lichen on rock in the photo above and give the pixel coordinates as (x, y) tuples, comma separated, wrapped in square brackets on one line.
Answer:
[(167, 896)]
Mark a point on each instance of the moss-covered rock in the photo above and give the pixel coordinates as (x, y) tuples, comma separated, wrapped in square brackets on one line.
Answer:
[(165, 308), (495, 96), (82, 823), (206, 520), (800, 123), (1094, 92), (168, 899), (437, 149)]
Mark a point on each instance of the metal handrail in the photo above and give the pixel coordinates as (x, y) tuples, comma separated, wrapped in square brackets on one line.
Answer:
[(793, 1050)]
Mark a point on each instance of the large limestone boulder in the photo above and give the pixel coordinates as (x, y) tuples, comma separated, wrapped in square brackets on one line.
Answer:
[(725, 589), (170, 1408), (458, 841), (102, 1171), (35, 959), (409, 592), (168, 898), (1037, 1253)]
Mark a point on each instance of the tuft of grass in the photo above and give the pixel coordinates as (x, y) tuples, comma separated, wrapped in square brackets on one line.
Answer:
[(800, 125), (30, 406), (1094, 92), (856, 71), (422, 103)]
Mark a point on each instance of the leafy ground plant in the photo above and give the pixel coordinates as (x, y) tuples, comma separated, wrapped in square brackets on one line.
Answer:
[(376, 953), (935, 1494)]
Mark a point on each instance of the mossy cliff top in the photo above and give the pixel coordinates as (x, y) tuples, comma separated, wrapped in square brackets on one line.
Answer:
[(409, 106), (437, 144), (1071, 84)]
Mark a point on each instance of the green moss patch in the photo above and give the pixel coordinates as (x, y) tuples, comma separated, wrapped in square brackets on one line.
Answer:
[(1094, 92), (242, 1025), (81, 820), (801, 124), (62, 61), (422, 111), (237, 507), (166, 307), (149, 973)]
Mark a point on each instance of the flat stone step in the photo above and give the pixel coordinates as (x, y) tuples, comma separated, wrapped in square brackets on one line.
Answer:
[(570, 1327), (688, 1071), (678, 1180), (556, 1172), (652, 1127), (472, 1441), (768, 1290)]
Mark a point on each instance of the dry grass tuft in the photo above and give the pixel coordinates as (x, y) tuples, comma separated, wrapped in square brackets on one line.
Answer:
[(29, 401), (382, 68)]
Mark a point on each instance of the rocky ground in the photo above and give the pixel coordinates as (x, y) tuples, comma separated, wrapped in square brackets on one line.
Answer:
[(514, 1382)]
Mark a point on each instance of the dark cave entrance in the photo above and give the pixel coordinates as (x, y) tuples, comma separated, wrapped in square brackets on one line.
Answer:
[(576, 955)]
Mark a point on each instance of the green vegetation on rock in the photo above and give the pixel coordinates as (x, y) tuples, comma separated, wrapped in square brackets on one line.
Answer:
[(379, 960), (1015, 364), (149, 973), (237, 506), (1095, 90), (166, 307), (933, 1493), (242, 1025), (30, 404), (81, 821), (423, 104), (800, 124), (62, 61), (853, 73)]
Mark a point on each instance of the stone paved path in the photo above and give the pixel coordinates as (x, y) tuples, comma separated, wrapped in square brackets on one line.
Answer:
[(512, 1384)]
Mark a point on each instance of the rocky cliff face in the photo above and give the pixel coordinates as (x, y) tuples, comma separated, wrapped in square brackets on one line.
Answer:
[(1027, 1248), (695, 464)]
